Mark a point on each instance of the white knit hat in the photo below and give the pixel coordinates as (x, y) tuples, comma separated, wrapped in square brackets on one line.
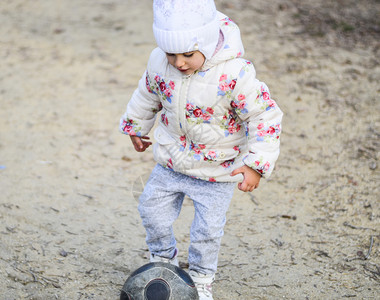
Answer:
[(182, 26)]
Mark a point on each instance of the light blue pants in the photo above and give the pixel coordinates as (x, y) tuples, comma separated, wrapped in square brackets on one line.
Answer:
[(160, 205)]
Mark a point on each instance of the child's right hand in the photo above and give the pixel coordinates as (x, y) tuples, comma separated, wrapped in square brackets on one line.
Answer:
[(139, 143)]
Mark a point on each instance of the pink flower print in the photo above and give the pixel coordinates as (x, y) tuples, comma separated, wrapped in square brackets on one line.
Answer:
[(223, 77), (237, 148), (166, 90), (233, 104), (232, 84), (130, 127), (197, 112), (231, 126), (147, 85), (238, 54), (198, 115), (164, 119), (271, 103), (206, 117), (266, 166), (268, 133), (197, 151), (231, 129), (170, 164), (257, 163), (211, 154), (261, 133), (266, 96), (223, 86), (226, 86), (225, 164), (271, 130), (241, 105), (183, 144), (212, 179), (168, 93), (172, 85), (162, 86)]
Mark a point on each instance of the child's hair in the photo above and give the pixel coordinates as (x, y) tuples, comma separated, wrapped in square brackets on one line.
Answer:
[(182, 26)]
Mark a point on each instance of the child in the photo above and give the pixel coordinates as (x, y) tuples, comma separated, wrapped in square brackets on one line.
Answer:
[(218, 126)]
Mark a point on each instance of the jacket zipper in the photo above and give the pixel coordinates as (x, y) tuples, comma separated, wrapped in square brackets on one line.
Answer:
[(182, 108)]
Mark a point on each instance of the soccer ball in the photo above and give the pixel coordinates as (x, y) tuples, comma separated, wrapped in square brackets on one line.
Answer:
[(159, 281)]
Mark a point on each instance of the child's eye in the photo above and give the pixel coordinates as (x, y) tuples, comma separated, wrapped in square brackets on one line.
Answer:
[(188, 54)]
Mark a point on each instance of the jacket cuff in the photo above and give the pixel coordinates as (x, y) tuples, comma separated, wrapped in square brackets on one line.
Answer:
[(134, 127), (259, 164)]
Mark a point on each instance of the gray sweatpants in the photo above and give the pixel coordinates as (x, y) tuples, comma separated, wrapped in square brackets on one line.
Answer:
[(160, 205)]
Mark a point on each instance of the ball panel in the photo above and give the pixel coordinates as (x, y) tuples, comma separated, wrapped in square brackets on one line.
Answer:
[(142, 269), (162, 280), (185, 277), (125, 296), (157, 289)]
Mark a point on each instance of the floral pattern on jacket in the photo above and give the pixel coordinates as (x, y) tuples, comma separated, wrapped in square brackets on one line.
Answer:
[(226, 86), (211, 122), (196, 114), (268, 133), (231, 124), (263, 98), (131, 127), (165, 89)]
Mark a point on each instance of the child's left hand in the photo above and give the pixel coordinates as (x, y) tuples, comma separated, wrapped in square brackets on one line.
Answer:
[(251, 178)]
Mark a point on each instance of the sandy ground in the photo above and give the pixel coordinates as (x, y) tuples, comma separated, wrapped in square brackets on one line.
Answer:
[(69, 226)]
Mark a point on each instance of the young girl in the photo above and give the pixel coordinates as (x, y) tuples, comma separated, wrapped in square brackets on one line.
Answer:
[(218, 126)]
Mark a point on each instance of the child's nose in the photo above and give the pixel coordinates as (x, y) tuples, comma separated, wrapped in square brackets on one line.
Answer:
[(179, 62)]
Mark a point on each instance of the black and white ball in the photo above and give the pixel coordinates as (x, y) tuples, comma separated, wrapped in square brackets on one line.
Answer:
[(159, 281)]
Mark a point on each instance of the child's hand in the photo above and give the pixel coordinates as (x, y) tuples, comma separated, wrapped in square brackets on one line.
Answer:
[(139, 144), (251, 178)]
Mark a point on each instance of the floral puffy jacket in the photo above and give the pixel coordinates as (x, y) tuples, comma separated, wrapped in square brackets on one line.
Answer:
[(211, 122)]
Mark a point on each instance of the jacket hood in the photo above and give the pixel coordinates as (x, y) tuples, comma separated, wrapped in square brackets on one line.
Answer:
[(232, 46)]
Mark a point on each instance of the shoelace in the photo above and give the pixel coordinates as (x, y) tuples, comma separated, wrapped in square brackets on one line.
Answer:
[(204, 288)]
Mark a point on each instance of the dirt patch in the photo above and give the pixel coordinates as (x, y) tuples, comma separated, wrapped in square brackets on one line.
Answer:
[(345, 23)]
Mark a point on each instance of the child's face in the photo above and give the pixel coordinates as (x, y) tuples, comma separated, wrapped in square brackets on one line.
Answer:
[(188, 62)]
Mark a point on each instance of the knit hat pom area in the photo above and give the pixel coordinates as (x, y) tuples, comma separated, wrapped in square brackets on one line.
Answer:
[(182, 26)]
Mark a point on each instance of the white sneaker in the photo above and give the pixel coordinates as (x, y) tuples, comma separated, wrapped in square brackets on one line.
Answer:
[(203, 283), (173, 260)]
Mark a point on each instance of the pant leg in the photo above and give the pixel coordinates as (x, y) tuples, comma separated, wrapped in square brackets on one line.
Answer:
[(159, 206), (211, 202)]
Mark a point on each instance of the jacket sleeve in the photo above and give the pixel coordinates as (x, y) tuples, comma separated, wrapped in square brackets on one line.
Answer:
[(142, 108), (253, 104)]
